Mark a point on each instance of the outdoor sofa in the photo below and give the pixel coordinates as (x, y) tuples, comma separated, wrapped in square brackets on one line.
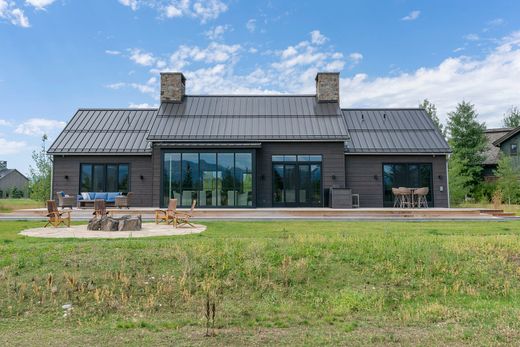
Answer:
[(88, 198)]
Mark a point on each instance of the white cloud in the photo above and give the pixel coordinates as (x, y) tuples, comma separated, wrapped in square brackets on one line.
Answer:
[(412, 15), (472, 37), (251, 25), (202, 10), (115, 86), (11, 147), (141, 58), (491, 83), (39, 126), (3, 122), (217, 33), (356, 57), (111, 52), (317, 38), (39, 4), (130, 3), (143, 105)]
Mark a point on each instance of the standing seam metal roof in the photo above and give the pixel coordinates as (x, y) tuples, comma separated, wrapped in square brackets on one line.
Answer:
[(106, 131), (249, 118), (392, 131)]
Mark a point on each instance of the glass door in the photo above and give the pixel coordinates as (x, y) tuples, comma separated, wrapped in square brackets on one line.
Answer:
[(297, 184)]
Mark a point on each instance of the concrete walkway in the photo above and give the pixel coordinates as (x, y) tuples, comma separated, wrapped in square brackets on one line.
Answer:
[(81, 232)]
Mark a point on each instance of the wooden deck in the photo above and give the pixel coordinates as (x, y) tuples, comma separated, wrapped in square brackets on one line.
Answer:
[(293, 213)]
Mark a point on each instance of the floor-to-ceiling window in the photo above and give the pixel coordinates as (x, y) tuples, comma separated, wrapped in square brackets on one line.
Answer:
[(414, 175), (214, 179), (297, 180)]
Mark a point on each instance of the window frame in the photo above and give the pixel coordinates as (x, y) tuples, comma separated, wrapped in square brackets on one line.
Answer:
[(105, 171), (216, 151), (515, 153)]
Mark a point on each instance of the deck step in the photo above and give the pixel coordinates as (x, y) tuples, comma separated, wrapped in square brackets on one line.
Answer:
[(503, 214)]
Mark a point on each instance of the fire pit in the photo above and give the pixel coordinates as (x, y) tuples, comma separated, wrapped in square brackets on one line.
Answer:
[(123, 223)]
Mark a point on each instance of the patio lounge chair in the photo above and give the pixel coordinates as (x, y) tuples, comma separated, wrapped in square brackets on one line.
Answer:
[(65, 200), (183, 218), (124, 200), (100, 208), (168, 215), (55, 217)]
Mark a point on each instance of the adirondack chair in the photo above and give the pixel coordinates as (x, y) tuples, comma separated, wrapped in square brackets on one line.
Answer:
[(100, 208), (183, 218), (55, 217), (167, 216)]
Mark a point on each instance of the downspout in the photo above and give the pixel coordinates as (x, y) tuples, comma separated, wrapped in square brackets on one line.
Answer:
[(448, 178), (52, 176)]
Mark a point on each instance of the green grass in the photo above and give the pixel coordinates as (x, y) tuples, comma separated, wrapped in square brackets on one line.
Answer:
[(9, 205), (283, 283)]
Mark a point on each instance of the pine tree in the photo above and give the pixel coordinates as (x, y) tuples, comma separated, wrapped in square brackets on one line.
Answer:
[(512, 117), (431, 110), (507, 182), (468, 142), (458, 181)]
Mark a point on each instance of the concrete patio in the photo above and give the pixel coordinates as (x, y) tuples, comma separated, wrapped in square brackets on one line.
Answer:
[(81, 232)]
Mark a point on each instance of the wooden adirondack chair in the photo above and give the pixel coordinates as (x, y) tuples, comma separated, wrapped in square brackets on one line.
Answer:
[(56, 217), (100, 208), (183, 218), (167, 216)]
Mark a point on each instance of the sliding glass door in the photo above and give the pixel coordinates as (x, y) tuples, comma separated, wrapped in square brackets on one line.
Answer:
[(397, 175), (214, 179), (297, 181)]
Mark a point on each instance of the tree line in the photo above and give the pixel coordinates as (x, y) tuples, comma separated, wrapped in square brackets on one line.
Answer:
[(466, 137)]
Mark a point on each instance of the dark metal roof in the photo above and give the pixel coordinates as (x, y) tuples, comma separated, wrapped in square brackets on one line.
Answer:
[(492, 152), (249, 118), (507, 136), (106, 131), (392, 131)]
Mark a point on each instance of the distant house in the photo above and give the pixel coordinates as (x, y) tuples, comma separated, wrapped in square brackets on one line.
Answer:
[(12, 181), (500, 140), (251, 150)]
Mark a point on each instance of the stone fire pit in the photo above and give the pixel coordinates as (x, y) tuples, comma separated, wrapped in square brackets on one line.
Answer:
[(109, 223)]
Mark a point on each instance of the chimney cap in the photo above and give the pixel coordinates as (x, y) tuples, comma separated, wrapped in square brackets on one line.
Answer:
[(326, 73), (183, 78)]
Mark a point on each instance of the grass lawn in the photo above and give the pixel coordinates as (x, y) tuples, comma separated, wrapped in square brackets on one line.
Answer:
[(283, 283), (9, 205)]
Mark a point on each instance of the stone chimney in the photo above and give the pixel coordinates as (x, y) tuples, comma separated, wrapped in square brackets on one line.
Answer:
[(173, 87), (3, 165), (327, 87)]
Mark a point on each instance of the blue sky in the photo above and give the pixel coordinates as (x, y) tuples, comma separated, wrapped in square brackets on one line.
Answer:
[(60, 55)]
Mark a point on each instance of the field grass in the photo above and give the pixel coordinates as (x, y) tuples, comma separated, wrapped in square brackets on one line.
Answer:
[(9, 205), (283, 283)]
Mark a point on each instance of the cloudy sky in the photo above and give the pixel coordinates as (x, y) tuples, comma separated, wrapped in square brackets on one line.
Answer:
[(59, 55)]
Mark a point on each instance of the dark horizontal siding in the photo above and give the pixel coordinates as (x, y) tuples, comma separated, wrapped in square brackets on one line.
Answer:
[(361, 169), (333, 165), (139, 166)]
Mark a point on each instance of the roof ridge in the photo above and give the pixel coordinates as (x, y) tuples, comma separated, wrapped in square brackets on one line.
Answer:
[(382, 108), (115, 109), (245, 95)]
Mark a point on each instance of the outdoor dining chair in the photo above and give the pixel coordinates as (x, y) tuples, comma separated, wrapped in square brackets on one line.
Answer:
[(421, 194)]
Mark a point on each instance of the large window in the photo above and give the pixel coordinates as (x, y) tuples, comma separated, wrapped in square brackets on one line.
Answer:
[(406, 175), (214, 179), (104, 178)]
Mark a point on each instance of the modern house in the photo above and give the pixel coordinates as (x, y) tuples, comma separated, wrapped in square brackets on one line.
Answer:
[(251, 150), (13, 184), (500, 140)]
